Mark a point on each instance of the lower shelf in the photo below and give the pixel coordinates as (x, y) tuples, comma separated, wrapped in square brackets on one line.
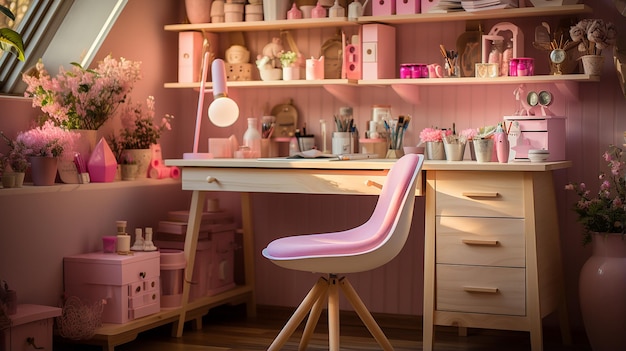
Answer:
[(110, 335)]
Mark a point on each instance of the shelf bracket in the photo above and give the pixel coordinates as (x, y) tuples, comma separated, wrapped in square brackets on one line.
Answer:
[(346, 93), (408, 92)]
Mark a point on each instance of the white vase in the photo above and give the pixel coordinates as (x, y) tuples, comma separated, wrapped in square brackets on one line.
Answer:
[(592, 64), (143, 157)]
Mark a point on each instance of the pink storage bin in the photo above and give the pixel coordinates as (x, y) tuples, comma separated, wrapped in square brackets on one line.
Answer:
[(384, 8), (408, 7), (428, 4)]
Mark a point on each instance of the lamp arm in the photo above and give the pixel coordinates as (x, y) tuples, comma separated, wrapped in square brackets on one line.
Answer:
[(205, 69)]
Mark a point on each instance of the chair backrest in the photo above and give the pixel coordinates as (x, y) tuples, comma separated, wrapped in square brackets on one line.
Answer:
[(370, 245)]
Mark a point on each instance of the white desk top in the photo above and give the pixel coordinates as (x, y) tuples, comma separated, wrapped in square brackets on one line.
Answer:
[(367, 164)]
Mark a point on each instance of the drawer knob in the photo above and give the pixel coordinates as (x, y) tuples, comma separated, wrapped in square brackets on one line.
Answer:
[(142, 274), (480, 242), (211, 179), (482, 290), (479, 194), (31, 341)]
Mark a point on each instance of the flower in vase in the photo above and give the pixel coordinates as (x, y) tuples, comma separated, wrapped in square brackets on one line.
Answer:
[(433, 134), (82, 98), (140, 128), (593, 35), (605, 212), (47, 140), (16, 159)]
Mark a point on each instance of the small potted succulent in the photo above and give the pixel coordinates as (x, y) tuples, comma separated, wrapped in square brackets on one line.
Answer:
[(288, 61)]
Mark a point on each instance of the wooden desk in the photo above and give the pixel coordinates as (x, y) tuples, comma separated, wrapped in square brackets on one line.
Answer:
[(541, 270)]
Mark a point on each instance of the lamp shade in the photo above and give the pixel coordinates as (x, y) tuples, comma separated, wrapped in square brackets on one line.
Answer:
[(223, 111)]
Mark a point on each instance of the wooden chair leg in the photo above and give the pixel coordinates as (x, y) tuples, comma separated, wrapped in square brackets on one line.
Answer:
[(314, 294), (333, 314), (311, 322), (364, 314)]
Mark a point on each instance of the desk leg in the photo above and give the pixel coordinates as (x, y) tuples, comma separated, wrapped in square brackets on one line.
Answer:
[(248, 250), (191, 244)]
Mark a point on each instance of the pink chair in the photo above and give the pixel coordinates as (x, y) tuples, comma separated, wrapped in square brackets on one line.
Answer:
[(363, 248)]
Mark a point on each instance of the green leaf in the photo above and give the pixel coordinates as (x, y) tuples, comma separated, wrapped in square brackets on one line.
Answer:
[(10, 39), (5, 10)]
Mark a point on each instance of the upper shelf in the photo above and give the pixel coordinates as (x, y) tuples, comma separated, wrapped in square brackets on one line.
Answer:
[(308, 23), (479, 15)]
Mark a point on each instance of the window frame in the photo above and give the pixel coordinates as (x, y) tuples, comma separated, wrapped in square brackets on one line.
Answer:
[(58, 32)]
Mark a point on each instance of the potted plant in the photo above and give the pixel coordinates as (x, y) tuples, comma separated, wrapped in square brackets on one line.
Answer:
[(10, 40), (592, 36), (128, 167), (43, 146), (602, 283), (140, 131), (15, 161), (433, 138), (288, 61)]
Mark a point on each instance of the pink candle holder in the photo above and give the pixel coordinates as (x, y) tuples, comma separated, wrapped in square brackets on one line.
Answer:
[(109, 243)]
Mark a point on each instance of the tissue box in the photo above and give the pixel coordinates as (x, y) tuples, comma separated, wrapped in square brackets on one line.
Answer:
[(537, 132)]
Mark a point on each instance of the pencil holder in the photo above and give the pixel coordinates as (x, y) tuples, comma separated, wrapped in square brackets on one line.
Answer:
[(342, 143)]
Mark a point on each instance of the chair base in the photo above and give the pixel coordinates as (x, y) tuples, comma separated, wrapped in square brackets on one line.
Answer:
[(313, 304)]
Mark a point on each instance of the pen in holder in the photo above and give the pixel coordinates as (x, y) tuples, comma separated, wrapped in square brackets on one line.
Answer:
[(395, 130), (342, 140), (267, 129)]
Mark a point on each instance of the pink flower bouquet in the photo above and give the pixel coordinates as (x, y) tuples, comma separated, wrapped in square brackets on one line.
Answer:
[(433, 134)]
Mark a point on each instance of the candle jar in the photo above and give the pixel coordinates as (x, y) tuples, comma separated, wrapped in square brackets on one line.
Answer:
[(513, 67), (419, 70), (406, 71)]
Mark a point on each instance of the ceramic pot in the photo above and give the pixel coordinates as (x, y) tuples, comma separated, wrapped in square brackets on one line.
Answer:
[(143, 158), (592, 64), (43, 170), (602, 288), (435, 150), (276, 10), (291, 73), (8, 180), (198, 11), (128, 172), (19, 179)]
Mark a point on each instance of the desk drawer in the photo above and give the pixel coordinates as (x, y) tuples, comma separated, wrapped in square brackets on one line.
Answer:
[(480, 241), (278, 181), (473, 289), (485, 194)]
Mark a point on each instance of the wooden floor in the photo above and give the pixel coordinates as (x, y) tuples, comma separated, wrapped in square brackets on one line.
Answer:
[(227, 328)]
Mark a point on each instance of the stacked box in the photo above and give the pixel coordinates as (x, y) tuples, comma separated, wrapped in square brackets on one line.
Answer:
[(213, 270)]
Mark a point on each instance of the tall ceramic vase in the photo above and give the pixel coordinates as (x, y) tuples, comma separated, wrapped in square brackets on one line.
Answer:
[(43, 170), (602, 288)]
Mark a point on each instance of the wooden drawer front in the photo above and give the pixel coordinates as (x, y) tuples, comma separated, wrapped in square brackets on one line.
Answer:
[(474, 289), (146, 310), (40, 331), (485, 194), (480, 241), (278, 181)]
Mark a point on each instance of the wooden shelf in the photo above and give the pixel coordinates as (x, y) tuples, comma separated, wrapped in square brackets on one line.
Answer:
[(309, 23), (408, 89), (479, 15), (305, 23)]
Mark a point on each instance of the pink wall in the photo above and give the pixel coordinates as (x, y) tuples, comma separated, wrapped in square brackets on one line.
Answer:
[(594, 120)]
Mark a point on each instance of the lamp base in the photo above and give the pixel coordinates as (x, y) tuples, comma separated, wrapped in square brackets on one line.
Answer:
[(197, 155)]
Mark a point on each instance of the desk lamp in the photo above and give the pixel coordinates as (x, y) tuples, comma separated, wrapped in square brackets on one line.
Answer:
[(223, 111)]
